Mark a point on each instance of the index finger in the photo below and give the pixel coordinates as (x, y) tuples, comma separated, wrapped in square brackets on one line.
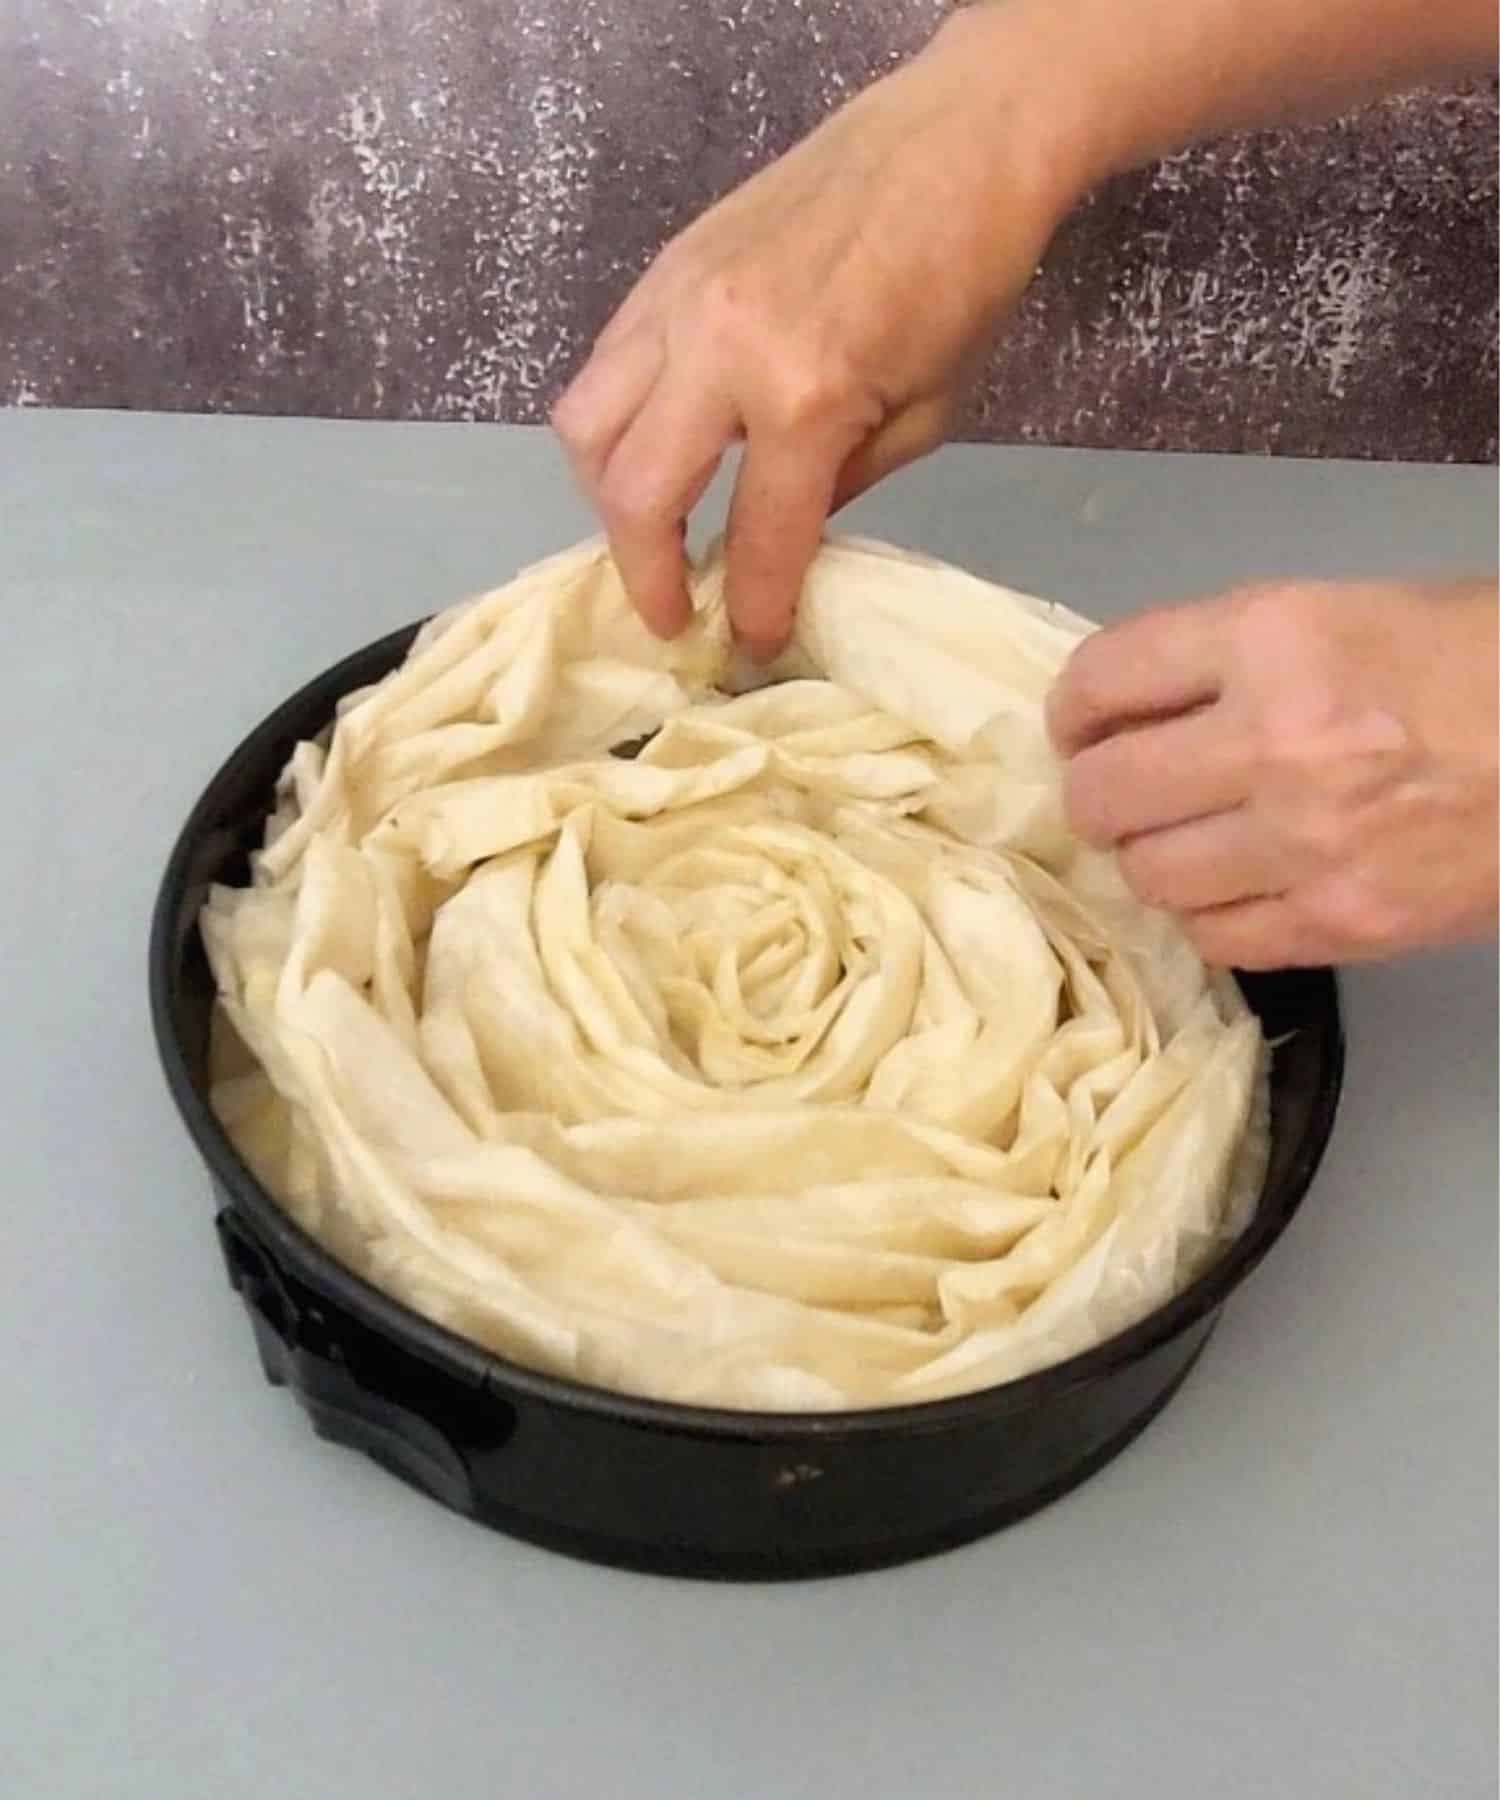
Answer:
[(1150, 667), (653, 478)]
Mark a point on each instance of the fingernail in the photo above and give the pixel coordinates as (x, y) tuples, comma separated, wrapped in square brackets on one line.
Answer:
[(761, 650), (671, 624)]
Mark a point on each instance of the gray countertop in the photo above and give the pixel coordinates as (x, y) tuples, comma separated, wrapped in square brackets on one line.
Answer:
[(1286, 1588)]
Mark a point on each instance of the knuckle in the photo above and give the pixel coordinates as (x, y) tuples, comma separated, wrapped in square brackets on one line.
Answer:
[(1055, 715), (1251, 599), (1350, 917), (581, 423), (1078, 694), (1320, 834), (573, 422), (1283, 644), (1209, 936), (1207, 939), (1296, 740), (726, 308), (800, 380), (1263, 611), (578, 436), (1145, 876), (1222, 942), (634, 499), (808, 389)]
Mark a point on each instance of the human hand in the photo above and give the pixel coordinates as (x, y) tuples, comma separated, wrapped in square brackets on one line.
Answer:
[(1303, 772), (826, 312)]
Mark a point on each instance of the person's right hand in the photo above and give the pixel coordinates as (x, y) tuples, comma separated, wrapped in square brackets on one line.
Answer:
[(826, 312)]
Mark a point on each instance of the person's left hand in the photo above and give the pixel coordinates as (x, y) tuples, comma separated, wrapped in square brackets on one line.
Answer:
[(1303, 773)]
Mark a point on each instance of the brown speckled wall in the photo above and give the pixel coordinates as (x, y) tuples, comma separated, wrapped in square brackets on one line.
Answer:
[(426, 208)]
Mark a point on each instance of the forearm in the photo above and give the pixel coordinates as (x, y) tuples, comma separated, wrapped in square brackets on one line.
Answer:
[(1109, 84)]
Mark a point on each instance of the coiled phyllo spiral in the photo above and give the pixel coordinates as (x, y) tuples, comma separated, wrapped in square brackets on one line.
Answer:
[(772, 1049)]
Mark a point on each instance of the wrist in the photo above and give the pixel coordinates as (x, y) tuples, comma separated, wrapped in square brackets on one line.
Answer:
[(1015, 150), (1036, 97)]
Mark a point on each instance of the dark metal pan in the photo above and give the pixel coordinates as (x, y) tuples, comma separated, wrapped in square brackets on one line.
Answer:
[(675, 1489)]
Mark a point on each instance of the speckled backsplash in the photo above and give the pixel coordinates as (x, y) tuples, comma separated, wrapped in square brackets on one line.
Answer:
[(426, 209)]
